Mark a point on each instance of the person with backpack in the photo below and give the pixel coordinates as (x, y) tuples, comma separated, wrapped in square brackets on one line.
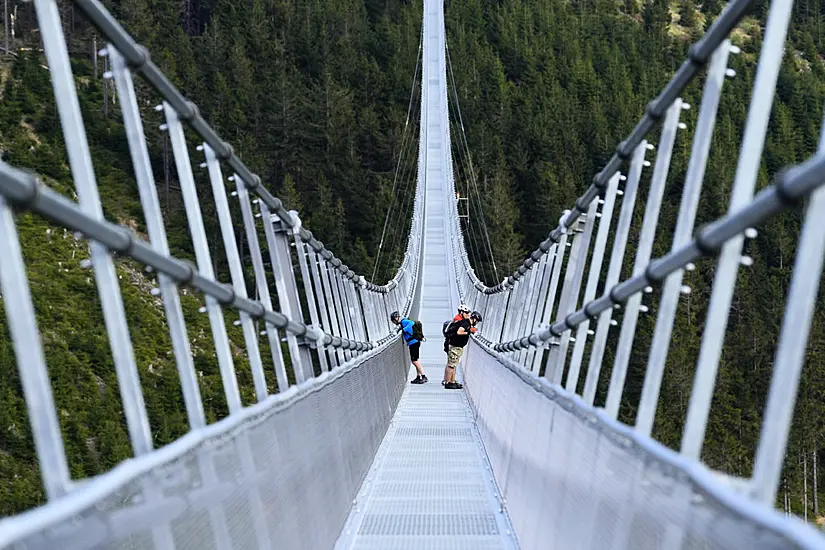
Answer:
[(448, 325), (412, 334), (458, 334)]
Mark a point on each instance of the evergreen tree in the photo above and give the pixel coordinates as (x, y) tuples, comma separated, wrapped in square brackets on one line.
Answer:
[(687, 14)]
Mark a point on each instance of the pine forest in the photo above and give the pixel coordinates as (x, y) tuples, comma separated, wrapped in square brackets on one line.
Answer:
[(320, 97)]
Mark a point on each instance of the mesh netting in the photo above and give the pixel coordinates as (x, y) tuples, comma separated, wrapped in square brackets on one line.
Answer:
[(283, 478), (574, 479)]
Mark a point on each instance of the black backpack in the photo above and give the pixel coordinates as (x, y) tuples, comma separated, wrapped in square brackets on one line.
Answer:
[(449, 329), (418, 331)]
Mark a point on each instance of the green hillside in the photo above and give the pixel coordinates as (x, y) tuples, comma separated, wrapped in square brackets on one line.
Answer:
[(314, 96)]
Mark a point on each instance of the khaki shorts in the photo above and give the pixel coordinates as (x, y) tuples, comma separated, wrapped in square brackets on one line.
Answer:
[(453, 355)]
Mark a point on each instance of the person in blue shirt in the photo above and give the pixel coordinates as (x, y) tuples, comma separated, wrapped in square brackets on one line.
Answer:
[(412, 343)]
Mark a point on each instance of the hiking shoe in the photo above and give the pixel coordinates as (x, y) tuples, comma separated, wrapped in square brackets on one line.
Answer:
[(424, 379), (452, 386), (417, 380)]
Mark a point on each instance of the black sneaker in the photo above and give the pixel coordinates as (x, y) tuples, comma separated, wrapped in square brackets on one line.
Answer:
[(424, 379), (417, 380), (452, 386)]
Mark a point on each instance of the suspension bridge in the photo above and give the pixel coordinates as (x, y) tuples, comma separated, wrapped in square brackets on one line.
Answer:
[(353, 456)]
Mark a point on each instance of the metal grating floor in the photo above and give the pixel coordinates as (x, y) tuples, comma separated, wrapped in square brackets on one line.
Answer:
[(430, 486)]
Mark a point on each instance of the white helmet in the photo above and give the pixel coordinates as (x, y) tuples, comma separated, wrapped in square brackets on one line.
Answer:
[(463, 309)]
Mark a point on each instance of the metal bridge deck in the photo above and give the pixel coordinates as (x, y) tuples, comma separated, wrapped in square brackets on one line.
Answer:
[(430, 485)]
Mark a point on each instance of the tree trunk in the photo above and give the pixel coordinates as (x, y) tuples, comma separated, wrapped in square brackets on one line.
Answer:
[(94, 55), (805, 486), (6, 24), (786, 502), (105, 87), (816, 490)]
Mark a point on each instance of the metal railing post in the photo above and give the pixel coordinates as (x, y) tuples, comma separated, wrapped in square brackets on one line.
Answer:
[(669, 301), (272, 333), (31, 363), (281, 261), (203, 256), (643, 251), (613, 271), (157, 234), (727, 267), (233, 259), (301, 251), (570, 291), (583, 330)]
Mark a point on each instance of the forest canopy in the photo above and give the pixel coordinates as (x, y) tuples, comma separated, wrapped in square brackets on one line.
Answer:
[(319, 98)]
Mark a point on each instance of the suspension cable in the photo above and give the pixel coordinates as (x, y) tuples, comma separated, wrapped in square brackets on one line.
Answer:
[(470, 243), (404, 200), (472, 172), (400, 157)]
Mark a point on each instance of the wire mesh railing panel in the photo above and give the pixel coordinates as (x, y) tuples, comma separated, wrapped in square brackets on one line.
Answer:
[(281, 473), (575, 478)]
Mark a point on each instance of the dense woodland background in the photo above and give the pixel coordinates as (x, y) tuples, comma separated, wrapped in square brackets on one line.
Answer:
[(320, 99)]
